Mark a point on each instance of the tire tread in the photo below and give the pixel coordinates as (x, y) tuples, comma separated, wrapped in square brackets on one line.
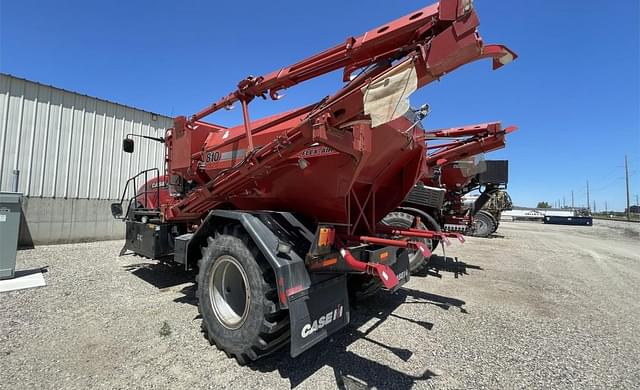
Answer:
[(275, 329)]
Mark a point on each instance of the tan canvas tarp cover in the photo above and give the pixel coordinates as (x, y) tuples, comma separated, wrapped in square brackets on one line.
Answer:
[(387, 97)]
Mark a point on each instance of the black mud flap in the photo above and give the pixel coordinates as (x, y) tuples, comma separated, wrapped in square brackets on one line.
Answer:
[(401, 268), (318, 314)]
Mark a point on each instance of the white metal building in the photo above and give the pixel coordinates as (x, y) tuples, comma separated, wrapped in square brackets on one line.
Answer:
[(63, 151)]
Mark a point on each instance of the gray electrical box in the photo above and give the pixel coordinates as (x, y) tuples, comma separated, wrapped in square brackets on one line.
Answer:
[(10, 212)]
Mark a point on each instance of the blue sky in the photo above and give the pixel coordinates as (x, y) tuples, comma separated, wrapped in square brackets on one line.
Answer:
[(574, 91)]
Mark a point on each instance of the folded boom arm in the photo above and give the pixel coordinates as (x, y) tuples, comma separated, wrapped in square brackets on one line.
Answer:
[(436, 39)]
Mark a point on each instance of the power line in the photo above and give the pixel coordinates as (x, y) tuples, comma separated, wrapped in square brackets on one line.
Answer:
[(608, 174), (608, 185)]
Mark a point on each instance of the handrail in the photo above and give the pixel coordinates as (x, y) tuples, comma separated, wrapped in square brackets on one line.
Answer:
[(135, 186)]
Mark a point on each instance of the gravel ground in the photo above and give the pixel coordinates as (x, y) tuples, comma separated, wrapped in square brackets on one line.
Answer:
[(537, 306)]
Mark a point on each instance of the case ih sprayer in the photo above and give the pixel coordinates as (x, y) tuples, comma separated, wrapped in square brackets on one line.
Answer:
[(279, 215), (454, 169), (476, 215)]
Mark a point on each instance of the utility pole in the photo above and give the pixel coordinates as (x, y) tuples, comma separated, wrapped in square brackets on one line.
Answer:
[(588, 203), (594, 205), (626, 175), (605, 206), (637, 202), (572, 204), (563, 202)]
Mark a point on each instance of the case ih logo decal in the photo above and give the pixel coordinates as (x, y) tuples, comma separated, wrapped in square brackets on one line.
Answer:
[(321, 322)]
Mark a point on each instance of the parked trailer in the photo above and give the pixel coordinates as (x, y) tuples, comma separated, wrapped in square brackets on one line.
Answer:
[(282, 216), (578, 221)]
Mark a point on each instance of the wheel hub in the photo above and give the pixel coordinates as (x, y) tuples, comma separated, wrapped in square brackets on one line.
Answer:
[(229, 292)]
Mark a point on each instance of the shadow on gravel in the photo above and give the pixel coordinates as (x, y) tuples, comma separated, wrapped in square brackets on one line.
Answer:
[(160, 275), (442, 302), (25, 272), (189, 295), (351, 370), (439, 264)]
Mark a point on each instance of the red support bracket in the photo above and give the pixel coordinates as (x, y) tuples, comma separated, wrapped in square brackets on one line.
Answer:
[(393, 242), (361, 211), (382, 271), (247, 125), (419, 233)]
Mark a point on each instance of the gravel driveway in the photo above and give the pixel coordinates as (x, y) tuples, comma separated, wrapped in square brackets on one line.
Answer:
[(536, 306)]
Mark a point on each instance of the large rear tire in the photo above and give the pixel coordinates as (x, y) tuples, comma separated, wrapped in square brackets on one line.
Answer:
[(432, 225), (237, 298), (405, 220), (484, 224)]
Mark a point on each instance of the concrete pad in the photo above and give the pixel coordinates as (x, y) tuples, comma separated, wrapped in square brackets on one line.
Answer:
[(23, 280)]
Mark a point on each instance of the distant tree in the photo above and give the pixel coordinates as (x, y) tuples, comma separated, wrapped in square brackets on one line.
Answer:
[(543, 205)]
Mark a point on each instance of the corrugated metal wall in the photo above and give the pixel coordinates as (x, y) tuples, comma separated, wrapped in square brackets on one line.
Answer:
[(67, 145)]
